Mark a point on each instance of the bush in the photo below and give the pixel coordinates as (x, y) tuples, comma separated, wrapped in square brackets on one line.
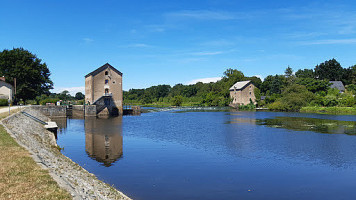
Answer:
[(31, 102), (49, 100), (80, 102), (249, 106), (177, 100), (4, 102)]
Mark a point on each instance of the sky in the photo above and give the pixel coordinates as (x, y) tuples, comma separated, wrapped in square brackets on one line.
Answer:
[(170, 42)]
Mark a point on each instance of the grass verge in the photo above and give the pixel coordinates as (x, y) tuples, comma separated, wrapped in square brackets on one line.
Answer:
[(330, 110), (20, 176)]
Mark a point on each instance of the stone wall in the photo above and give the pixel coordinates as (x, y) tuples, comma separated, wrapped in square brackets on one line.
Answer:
[(76, 180), (51, 111)]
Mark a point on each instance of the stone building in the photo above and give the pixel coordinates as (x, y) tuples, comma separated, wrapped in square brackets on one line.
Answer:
[(6, 90), (103, 88), (241, 93)]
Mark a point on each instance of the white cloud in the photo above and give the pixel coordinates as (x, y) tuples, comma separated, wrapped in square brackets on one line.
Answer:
[(331, 41), (201, 15), (88, 40), (137, 45), (71, 90), (207, 53), (204, 80)]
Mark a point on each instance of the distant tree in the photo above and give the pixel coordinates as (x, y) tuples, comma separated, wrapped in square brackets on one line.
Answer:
[(314, 85), (288, 72), (290, 78), (349, 75), (231, 76), (257, 82), (64, 95), (79, 96), (177, 100), (330, 70), (32, 76), (273, 84), (305, 73)]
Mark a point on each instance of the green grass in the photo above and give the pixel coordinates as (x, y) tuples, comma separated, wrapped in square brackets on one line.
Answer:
[(20, 176), (330, 110)]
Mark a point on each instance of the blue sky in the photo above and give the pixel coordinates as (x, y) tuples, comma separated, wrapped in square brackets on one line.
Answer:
[(170, 42)]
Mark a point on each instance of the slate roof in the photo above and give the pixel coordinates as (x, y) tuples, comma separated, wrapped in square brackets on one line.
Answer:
[(100, 69), (239, 85), (338, 85)]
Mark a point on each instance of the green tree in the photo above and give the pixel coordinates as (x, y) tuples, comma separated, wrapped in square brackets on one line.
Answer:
[(314, 85), (305, 73), (32, 76), (330, 70), (288, 72), (177, 100), (79, 96)]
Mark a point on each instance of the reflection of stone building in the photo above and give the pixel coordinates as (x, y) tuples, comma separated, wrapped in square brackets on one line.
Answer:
[(103, 139), (242, 93), (103, 87)]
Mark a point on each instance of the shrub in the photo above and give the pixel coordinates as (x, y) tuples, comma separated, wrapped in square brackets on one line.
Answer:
[(80, 102), (4, 102), (177, 100), (49, 100), (31, 102)]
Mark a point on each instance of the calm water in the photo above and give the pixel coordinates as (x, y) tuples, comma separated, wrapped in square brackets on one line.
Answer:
[(218, 155)]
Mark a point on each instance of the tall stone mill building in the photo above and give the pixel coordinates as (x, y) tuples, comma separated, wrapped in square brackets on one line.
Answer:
[(103, 88)]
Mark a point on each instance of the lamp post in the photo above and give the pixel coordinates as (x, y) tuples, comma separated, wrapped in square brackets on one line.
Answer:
[(9, 101)]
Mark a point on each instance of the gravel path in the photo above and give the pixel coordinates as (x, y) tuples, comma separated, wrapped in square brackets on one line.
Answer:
[(42, 145)]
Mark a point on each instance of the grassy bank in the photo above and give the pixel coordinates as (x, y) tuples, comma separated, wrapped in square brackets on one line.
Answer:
[(330, 110), (20, 176)]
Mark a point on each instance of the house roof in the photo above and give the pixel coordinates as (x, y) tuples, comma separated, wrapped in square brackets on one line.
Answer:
[(338, 85), (6, 84), (239, 85), (100, 69)]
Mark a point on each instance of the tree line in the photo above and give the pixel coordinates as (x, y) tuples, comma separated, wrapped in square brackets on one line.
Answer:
[(287, 92)]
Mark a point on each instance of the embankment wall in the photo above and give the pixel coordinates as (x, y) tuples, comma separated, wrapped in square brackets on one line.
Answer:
[(40, 143)]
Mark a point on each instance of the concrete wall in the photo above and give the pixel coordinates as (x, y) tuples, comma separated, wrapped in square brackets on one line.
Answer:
[(95, 88), (242, 97), (51, 111), (90, 110)]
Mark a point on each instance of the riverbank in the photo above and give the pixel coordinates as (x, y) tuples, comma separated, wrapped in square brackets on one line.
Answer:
[(330, 110), (42, 146)]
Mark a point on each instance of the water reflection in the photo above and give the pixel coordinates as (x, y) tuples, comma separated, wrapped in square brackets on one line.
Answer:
[(103, 139), (310, 124)]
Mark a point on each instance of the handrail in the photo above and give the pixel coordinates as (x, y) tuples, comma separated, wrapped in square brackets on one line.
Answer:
[(34, 118)]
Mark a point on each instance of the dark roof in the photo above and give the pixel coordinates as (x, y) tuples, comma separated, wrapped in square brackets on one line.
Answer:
[(240, 85), (100, 69), (338, 85)]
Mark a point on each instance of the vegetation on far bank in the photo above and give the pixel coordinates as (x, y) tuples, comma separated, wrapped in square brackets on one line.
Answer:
[(287, 92), (329, 110)]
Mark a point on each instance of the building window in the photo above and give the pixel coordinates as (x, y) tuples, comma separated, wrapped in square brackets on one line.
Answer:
[(106, 91), (250, 93), (106, 73), (106, 81)]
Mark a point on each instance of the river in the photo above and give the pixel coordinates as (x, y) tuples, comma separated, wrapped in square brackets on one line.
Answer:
[(199, 154)]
